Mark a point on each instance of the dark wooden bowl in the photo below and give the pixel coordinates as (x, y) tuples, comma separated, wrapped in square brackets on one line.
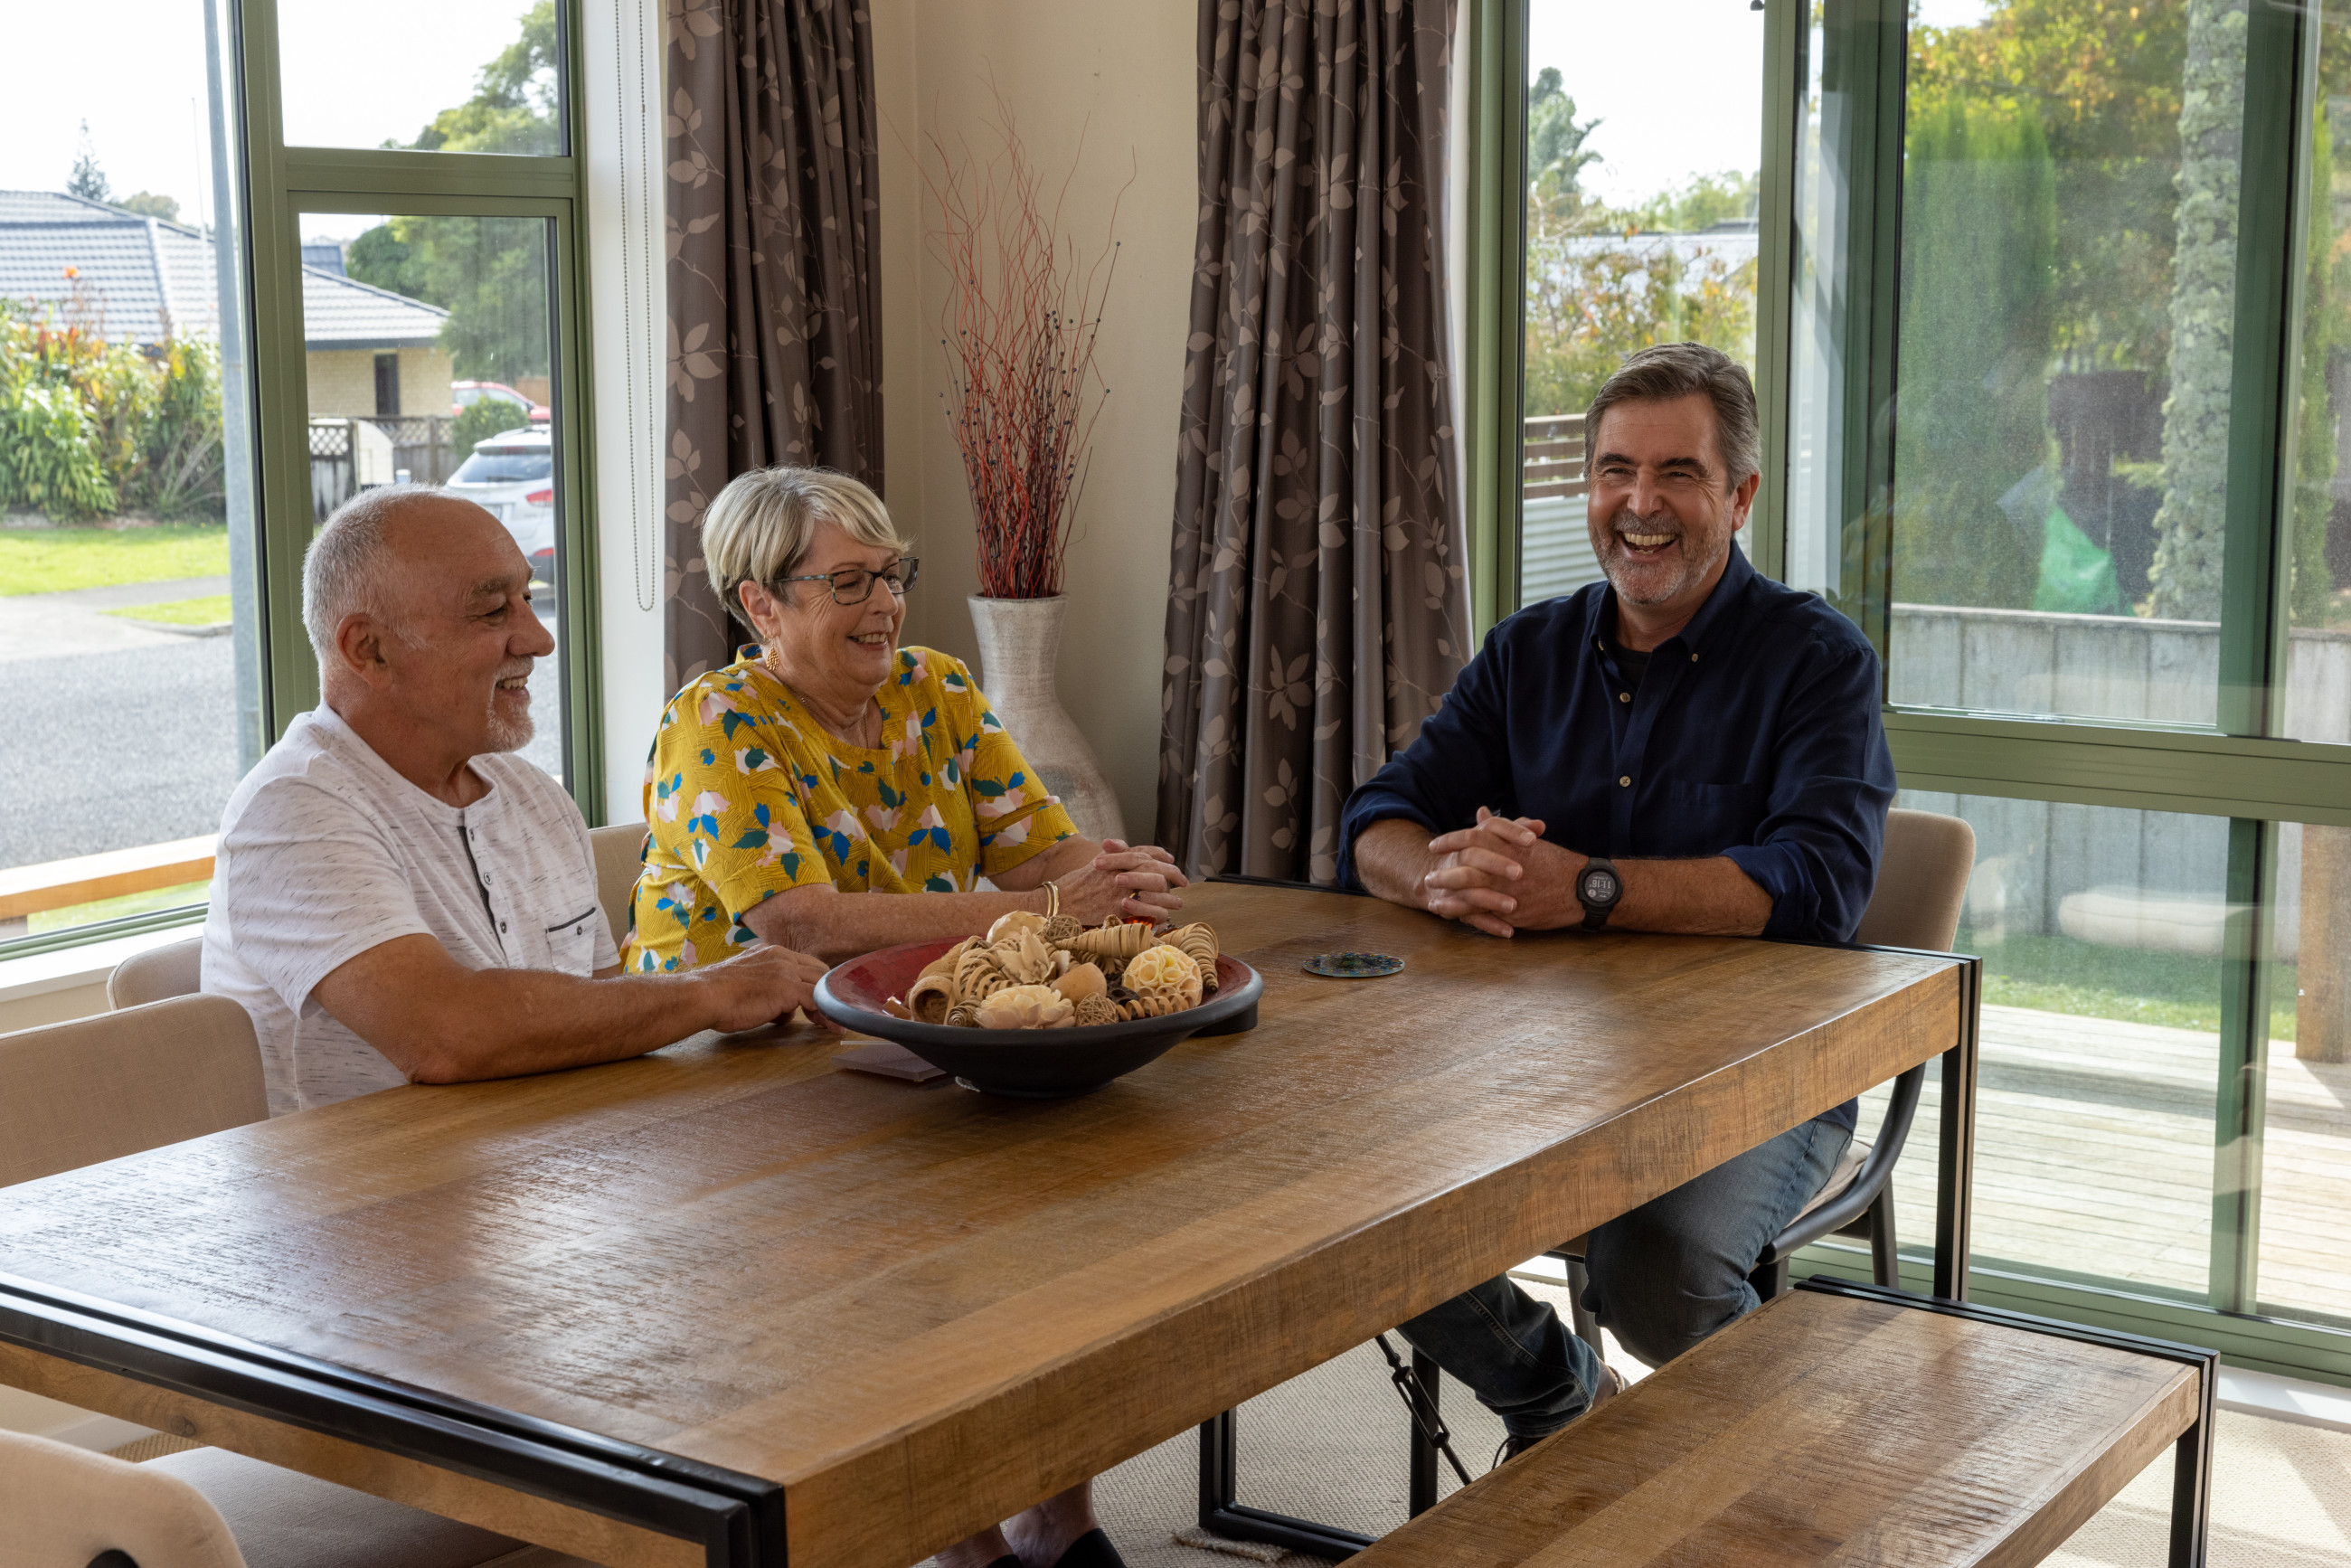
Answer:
[(1027, 1063)]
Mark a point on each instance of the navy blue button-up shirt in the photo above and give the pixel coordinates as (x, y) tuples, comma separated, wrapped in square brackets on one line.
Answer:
[(1754, 734)]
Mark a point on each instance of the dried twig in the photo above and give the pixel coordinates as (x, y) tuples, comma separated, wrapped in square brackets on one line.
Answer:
[(1019, 328)]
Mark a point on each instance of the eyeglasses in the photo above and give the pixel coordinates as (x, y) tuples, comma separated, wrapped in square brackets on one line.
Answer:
[(854, 584)]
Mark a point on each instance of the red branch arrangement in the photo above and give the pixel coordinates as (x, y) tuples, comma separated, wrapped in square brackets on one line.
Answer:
[(1020, 322)]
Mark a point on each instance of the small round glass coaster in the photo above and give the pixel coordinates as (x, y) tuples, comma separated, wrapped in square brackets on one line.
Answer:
[(1353, 966)]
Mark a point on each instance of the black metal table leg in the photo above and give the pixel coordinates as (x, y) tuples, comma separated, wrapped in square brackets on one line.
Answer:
[(1221, 1513), (2191, 1479), (1955, 1156)]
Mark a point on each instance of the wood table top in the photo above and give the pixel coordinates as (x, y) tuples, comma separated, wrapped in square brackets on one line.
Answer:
[(920, 1309)]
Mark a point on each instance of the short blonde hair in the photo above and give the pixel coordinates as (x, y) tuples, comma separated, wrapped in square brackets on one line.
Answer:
[(760, 525)]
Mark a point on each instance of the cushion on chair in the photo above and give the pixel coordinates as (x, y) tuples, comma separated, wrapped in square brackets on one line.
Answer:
[(1841, 1176), (115, 1083), (64, 1505), (619, 851), (283, 1519), (157, 975)]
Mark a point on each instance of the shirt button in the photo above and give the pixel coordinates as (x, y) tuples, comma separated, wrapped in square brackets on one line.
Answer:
[(1625, 782), (502, 928), (1624, 697)]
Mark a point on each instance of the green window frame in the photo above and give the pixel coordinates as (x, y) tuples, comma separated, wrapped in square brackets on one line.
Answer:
[(279, 183), (2241, 769)]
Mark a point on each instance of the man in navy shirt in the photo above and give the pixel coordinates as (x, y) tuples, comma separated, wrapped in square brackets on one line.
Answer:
[(1688, 746)]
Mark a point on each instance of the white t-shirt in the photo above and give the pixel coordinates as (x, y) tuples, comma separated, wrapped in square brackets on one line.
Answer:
[(326, 853)]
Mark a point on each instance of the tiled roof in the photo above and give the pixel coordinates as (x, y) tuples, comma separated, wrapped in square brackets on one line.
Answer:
[(148, 278)]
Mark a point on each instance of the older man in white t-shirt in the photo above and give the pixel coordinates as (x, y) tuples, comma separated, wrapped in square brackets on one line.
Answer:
[(395, 897)]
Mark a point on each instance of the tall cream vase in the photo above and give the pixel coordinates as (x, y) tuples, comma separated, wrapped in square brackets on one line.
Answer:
[(1018, 641)]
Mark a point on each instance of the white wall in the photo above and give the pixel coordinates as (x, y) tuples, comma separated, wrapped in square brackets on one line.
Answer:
[(1123, 73)]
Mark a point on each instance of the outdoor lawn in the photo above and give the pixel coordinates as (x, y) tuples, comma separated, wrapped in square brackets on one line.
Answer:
[(2060, 975), (211, 610), (49, 561)]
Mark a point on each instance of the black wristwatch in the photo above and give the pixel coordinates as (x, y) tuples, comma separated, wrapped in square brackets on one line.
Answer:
[(1597, 888)]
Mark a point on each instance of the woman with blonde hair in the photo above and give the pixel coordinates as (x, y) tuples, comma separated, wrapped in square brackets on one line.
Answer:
[(826, 764)]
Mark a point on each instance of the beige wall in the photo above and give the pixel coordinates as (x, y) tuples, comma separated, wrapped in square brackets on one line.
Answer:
[(342, 381), (1121, 72)]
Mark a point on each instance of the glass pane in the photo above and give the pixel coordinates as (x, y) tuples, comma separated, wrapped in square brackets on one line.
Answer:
[(454, 75), (1640, 228), (428, 363), (2318, 637), (2305, 1251), (2100, 930), (129, 639), (2068, 282)]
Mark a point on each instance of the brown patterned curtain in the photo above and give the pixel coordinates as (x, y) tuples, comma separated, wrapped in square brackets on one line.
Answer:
[(1317, 604), (775, 318)]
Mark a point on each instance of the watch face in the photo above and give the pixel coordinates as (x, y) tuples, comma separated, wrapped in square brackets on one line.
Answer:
[(1599, 886)]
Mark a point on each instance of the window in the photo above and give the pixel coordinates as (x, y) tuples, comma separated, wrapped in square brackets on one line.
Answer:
[(2054, 346), (166, 449), (130, 629), (1640, 222)]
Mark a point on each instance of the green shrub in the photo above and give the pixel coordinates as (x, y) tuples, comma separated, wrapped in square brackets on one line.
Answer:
[(48, 454), (480, 420)]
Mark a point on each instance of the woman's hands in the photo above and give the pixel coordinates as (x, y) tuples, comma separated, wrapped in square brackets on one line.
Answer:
[(1119, 880)]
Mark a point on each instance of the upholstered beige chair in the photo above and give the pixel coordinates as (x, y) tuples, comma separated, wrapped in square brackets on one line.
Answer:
[(207, 1508), (114, 1083), (97, 1089), (620, 856), (155, 974), (1922, 885)]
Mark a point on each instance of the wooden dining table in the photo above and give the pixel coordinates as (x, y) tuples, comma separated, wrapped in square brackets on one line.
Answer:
[(731, 1303)]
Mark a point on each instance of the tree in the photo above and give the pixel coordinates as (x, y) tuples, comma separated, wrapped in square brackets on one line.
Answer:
[(514, 102), (87, 181), (2192, 523), (489, 274), (1556, 155), (147, 205), (1972, 449), (2322, 333)]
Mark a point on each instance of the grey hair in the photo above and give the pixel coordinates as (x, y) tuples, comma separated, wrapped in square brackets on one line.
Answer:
[(1664, 371), (760, 525), (343, 570)]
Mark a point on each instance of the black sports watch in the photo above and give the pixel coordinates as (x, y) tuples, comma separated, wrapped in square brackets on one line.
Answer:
[(1597, 888)]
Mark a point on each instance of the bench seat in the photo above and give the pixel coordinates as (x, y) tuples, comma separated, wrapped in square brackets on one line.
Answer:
[(1844, 1425)]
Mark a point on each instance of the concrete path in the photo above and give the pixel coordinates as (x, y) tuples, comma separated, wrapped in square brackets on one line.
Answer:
[(75, 623)]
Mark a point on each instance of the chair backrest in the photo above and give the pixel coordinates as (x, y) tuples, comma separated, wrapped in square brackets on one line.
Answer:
[(67, 1506), (101, 1087), (1922, 882), (620, 856), (156, 975)]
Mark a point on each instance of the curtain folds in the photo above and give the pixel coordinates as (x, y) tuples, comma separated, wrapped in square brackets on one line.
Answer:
[(1317, 595), (775, 321)]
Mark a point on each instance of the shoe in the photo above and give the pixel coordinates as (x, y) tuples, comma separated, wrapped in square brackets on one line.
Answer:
[(1092, 1549), (1513, 1445)]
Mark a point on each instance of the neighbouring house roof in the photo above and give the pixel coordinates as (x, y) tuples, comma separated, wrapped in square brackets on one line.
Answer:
[(150, 279)]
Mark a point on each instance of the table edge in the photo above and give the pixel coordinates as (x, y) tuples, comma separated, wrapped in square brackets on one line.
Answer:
[(738, 1518)]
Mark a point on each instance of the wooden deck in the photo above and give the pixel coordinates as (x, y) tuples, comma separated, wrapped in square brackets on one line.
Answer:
[(2094, 1156)]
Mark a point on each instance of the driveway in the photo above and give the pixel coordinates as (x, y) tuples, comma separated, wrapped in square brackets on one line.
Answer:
[(121, 735)]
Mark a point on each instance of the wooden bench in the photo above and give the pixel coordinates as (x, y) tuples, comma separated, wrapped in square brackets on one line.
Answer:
[(1851, 1424)]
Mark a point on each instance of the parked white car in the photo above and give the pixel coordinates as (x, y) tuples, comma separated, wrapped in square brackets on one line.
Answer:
[(511, 475)]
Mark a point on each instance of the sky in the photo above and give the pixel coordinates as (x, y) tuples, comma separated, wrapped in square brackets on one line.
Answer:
[(1677, 85), (350, 81)]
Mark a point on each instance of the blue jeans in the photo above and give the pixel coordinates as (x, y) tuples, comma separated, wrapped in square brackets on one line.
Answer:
[(1662, 1277)]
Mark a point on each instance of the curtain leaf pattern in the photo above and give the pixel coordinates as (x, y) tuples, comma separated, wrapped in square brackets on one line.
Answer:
[(1318, 598), (775, 321)]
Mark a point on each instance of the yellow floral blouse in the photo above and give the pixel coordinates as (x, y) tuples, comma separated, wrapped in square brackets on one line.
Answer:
[(749, 796)]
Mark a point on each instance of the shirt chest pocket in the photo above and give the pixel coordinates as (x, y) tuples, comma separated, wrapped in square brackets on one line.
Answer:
[(571, 946)]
